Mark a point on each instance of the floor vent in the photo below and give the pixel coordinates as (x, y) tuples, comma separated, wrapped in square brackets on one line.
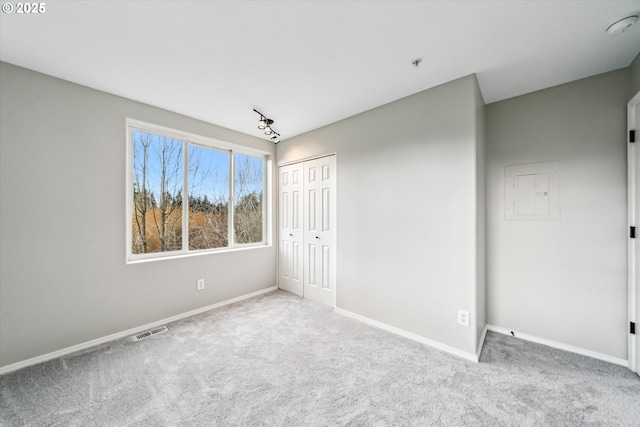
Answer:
[(152, 332)]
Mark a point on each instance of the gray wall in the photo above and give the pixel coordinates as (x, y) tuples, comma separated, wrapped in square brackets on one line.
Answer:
[(407, 201), (63, 277), (562, 280), (634, 70)]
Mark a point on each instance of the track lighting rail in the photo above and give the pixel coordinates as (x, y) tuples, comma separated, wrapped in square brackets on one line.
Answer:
[(264, 124)]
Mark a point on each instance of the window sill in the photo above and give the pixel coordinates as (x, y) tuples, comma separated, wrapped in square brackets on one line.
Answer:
[(197, 254)]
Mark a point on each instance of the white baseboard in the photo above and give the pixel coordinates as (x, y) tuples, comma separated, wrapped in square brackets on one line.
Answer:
[(128, 332), (422, 340), (560, 346)]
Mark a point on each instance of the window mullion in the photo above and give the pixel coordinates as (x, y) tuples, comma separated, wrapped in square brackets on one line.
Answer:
[(264, 200), (185, 199), (231, 232)]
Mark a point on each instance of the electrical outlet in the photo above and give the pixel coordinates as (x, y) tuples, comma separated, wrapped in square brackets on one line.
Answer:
[(463, 318), (200, 285)]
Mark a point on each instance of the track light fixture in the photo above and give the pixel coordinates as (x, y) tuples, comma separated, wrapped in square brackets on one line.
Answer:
[(264, 124)]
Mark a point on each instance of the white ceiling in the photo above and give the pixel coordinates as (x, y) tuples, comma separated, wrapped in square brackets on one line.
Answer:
[(306, 64)]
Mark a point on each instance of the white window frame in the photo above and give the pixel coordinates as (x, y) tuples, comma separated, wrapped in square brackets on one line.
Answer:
[(189, 138)]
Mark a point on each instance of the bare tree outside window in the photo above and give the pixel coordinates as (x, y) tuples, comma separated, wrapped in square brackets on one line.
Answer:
[(249, 186), (208, 198), (157, 193)]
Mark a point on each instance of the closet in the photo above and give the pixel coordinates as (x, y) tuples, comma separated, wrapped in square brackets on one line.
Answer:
[(307, 229)]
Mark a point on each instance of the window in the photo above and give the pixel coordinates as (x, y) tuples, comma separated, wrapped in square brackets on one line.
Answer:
[(188, 193)]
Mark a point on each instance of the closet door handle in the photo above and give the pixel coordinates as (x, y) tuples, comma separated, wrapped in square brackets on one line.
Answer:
[(317, 237), (290, 235)]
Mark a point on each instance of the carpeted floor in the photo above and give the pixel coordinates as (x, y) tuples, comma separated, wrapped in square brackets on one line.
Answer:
[(279, 360)]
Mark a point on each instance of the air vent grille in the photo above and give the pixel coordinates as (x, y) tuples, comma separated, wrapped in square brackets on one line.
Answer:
[(147, 334)]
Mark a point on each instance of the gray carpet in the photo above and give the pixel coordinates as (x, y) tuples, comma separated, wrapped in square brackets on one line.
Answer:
[(280, 360)]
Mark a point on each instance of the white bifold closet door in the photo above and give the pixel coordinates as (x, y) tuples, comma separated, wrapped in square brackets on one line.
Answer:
[(290, 233), (307, 243)]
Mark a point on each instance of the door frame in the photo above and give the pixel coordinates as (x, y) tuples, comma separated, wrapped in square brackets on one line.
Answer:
[(633, 220), (278, 213)]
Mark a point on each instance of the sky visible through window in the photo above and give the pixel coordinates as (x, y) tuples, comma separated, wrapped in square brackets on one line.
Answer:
[(208, 168), (208, 174)]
